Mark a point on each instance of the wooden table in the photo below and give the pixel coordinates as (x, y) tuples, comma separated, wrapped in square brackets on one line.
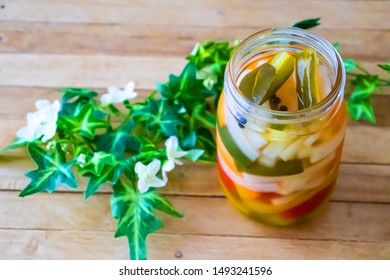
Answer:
[(45, 44)]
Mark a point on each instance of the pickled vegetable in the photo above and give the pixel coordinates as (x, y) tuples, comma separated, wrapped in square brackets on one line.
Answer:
[(306, 78), (263, 82)]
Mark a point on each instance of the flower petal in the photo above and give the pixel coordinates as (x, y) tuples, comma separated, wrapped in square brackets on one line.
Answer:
[(106, 99), (139, 168), (26, 133), (171, 144), (154, 167), (49, 130), (41, 104), (155, 182), (130, 86), (169, 165), (142, 186)]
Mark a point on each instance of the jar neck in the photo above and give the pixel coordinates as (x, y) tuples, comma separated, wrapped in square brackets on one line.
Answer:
[(287, 39)]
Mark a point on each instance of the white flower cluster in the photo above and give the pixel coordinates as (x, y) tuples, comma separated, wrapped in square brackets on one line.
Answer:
[(117, 95), (147, 174), (43, 122)]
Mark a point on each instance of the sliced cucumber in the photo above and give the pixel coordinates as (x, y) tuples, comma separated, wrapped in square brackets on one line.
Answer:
[(263, 82), (283, 63), (306, 78), (240, 158), (264, 186), (281, 168), (240, 137)]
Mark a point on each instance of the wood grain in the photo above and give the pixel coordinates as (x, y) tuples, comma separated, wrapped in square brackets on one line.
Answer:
[(69, 211), (41, 244), (46, 44), (141, 40), (336, 14)]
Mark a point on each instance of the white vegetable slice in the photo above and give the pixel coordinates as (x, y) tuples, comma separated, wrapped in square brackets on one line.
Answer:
[(291, 151), (266, 161), (312, 138), (304, 152), (255, 139), (326, 148), (266, 186), (288, 198), (240, 139), (273, 149), (310, 178)]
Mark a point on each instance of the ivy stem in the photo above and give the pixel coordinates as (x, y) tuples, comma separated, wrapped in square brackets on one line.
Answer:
[(362, 69)]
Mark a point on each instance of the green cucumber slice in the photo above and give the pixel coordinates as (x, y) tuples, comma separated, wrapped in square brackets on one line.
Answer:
[(281, 168), (263, 82), (239, 157), (306, 76)]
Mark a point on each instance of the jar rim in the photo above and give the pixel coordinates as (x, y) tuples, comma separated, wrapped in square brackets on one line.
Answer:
[(292, 34)]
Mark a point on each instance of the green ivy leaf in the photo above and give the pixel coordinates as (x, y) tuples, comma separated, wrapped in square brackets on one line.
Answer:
[(119, 141), (202, 117), (186, 88), (349, 65), (307, 23), (365, 86), (97, 163), (84, 121), (52, 171), (189, 141), (206, 141), (17, 143), (81, 93), (160, 115), (136, 217), (110, 173), (194, 154), (361, 110), (385, 67)]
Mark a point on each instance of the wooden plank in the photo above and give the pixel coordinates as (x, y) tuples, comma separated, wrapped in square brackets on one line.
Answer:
[(21, 37), (340, 14), (69, 211), (357, 182), (36, 70), (27, 96), (367, 144), (85, 71), (41, 244), (363, 144)]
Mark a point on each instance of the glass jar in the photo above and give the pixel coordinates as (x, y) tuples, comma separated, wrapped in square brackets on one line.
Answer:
[(280, 167)]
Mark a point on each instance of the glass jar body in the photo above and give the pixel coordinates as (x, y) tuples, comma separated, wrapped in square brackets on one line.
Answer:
[(279, 168)]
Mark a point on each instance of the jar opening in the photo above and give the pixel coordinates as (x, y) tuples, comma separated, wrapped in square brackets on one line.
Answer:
[(291, 40)]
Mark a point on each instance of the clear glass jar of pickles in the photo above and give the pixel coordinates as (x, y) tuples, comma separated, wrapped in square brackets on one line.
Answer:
[(281, 124)]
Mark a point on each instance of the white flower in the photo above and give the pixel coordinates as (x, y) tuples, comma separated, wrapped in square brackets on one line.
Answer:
[(81, 160), (42, 122), (117, 95), (173, 153), (147, 175)]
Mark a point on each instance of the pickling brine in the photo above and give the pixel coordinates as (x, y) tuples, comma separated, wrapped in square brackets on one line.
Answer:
[(281, 125)]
